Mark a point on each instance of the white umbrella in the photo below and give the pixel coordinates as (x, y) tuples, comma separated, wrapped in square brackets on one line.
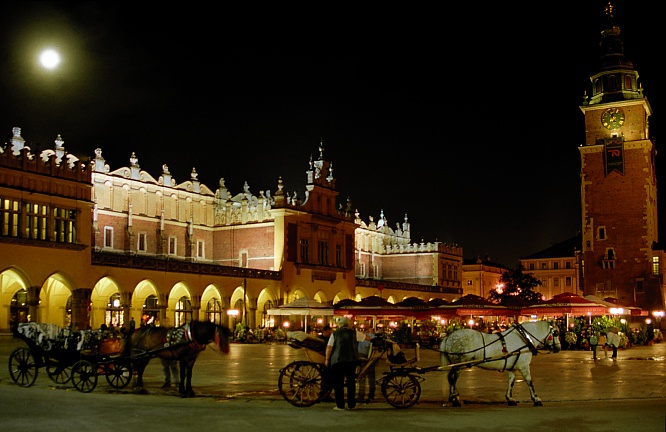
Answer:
[(302, 306)]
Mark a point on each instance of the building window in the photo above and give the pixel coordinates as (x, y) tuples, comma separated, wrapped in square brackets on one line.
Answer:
[(173, 245), (108, 237), (142, 243), (9, 216), (567, 265), (640, 286), (37, 217), (338, 255), (360, 269), (544, 266), (556, 265), (322, 252), (64, 225), (531, 266), (214, 311), (114, 311), (305, 251), (602, 233), (183, 311), (556, 281), (567, 281), (201, 251), (244, 260), (469, 282), (655, 266)]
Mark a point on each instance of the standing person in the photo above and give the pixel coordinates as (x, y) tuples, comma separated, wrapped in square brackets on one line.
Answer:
[(594, 340), (170, 368), (365, 354), (342, 357), (613, 339), (326, 333), (602, 343)]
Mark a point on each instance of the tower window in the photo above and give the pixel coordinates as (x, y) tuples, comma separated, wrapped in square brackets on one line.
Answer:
[(602, 233)]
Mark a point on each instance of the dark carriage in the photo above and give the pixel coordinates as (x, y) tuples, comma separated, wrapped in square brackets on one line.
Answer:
[(67, 355), (304, 383)]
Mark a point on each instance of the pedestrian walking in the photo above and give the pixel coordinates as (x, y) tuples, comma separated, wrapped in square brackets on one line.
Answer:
[(342, 357)]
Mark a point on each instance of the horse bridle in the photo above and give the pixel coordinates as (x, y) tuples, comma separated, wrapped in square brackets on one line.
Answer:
[(548, 341)]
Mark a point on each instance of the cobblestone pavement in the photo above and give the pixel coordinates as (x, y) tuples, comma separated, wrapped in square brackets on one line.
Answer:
[(245, 381)]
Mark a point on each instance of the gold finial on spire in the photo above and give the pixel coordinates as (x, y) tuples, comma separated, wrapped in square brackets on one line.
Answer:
[(609, 9)]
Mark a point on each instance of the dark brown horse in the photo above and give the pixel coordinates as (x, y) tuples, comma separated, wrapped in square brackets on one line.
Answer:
[(182, 343)]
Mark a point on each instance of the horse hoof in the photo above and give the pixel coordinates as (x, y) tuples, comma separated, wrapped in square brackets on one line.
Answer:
[(140, 391), (513, 403), (538, 403)]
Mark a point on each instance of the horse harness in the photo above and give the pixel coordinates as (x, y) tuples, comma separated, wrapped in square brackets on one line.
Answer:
[(179, 336), (527, 339)]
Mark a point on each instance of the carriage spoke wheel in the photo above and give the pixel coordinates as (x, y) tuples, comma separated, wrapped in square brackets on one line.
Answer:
[(301, 383), (60, 372), (401, 390), (22, 367), (84, 376), (118, 374)]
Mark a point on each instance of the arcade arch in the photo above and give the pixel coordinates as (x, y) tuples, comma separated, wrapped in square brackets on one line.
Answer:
[(55, 301), (13, 297)]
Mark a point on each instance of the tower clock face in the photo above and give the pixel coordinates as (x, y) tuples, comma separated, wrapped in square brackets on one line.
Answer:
[(612, 118)]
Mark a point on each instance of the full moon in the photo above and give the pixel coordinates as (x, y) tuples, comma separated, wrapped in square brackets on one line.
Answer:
[(49, 58)]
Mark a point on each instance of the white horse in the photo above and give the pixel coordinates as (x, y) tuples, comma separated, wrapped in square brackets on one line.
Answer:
[(510, 350)]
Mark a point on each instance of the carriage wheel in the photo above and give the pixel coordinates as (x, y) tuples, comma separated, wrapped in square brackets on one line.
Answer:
[(401, 390), (118, 374), (301, 383), (60, 372), (84, 376), (22, 367)]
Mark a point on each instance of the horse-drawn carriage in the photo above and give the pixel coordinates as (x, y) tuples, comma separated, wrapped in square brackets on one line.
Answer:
[(304, 383), (81, 356), (76, 356)]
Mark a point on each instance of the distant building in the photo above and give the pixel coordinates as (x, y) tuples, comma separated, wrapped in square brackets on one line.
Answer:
[(556, 267), (480, 276)]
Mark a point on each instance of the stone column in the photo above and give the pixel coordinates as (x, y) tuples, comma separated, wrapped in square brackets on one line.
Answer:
[(81, 308), (33, 303)]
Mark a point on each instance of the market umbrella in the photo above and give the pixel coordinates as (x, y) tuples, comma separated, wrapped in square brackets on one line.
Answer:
[(619, 304), (566, 303), (302, 306), (472, 304)]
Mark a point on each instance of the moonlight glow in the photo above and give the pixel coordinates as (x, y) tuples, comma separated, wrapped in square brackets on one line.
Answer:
[(50, 59)]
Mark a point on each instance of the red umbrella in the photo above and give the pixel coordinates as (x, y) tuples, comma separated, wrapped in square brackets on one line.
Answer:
[(566, 303), (471, 304)]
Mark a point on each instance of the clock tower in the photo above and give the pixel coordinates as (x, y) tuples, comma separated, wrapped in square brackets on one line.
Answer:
[(620, 253)]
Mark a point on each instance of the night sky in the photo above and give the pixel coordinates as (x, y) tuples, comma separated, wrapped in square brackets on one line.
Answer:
[(466, 118)]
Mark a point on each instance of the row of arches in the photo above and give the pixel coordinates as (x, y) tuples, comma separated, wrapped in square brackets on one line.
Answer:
[(109, 302)]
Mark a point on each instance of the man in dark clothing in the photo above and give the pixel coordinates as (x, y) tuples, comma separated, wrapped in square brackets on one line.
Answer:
[(342, 357)]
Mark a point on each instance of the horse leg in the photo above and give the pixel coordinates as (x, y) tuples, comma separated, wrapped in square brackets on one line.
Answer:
[(185, 385), (509, 390), (139, 367), (454, 397), (527, 375)]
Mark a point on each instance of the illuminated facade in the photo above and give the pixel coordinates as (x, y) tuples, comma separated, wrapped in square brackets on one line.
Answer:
[(129, 245)]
